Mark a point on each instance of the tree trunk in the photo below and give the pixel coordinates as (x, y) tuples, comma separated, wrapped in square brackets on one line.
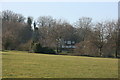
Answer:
[(117, 52), (118, 43), (100, 51)]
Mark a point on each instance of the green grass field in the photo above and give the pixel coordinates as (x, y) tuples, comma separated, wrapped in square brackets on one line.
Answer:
[(17, 64)]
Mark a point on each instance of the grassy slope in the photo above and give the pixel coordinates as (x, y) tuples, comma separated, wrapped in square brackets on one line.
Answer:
[(25, 65)]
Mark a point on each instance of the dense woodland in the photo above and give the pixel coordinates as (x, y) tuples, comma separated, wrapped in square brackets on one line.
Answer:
[(92, 39)]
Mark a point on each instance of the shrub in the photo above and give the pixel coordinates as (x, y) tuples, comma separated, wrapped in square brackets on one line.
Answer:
[(39, 49), (24, 46), (47, 50)]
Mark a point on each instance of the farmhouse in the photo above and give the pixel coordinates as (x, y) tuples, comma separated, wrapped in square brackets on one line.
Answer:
[(68, 46)]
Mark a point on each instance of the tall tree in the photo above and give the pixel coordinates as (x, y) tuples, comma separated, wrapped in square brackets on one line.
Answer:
[(98, 37), (83, 25), (29, 21)]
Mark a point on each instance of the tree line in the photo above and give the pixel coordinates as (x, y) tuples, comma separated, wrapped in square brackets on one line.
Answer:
[(92, 39)]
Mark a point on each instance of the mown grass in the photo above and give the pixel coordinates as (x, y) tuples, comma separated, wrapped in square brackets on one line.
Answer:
[(17, 64)]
